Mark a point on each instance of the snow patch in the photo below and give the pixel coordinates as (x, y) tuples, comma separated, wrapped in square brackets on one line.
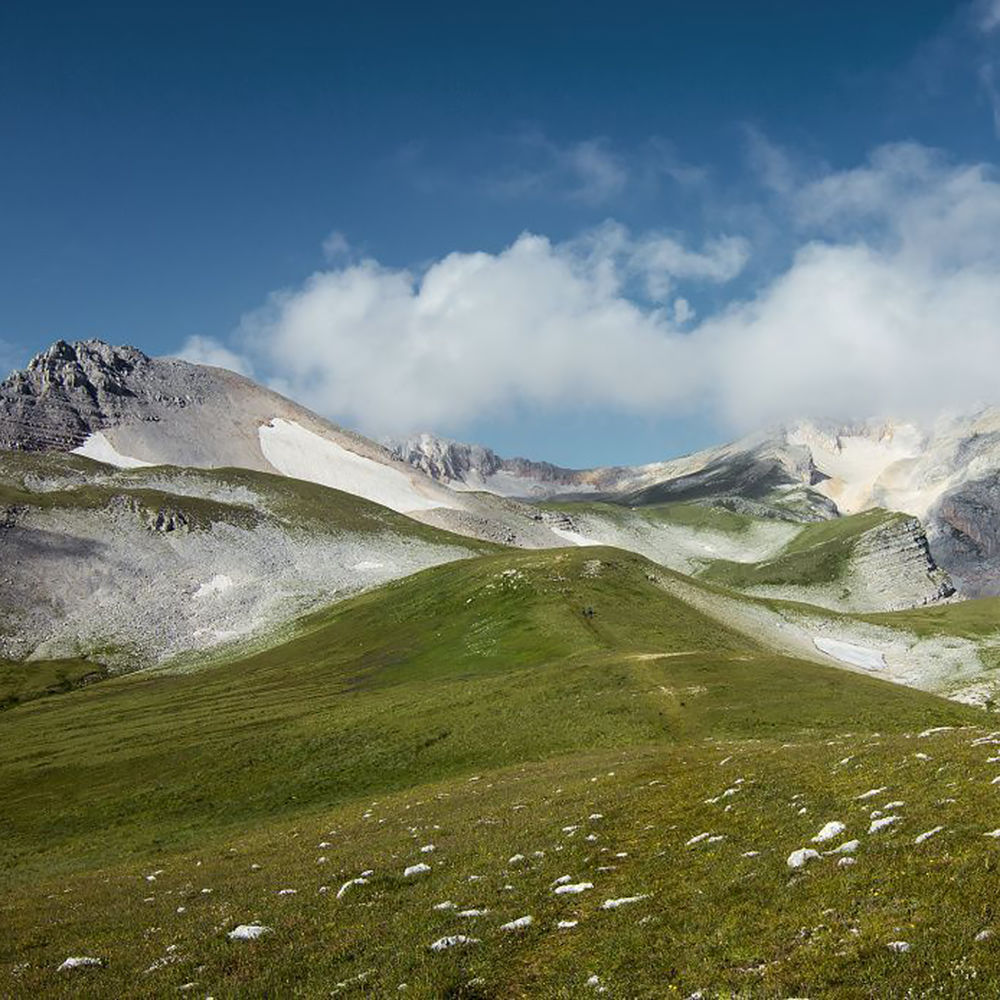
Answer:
[(302, 454), (848, 652), (100, 449), (574, 536)]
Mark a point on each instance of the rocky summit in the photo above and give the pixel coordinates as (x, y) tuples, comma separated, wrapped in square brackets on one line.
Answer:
[(74, 389)]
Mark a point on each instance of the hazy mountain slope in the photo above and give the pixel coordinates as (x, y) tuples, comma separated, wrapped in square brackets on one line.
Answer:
[(876, 561), (116, 405), (474, 710), (947, 475), (130, 567)]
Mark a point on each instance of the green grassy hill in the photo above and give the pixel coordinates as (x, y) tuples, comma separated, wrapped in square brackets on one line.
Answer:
[(111, 570), (475, 707), (819, 554)]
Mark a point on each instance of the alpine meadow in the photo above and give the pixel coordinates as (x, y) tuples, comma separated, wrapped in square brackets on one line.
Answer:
[(500, 502)]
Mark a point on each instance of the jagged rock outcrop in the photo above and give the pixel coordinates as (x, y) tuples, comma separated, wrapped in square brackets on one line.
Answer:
[(474, 467), (74, 389), (965, 535), (447, 461), (892, 568)]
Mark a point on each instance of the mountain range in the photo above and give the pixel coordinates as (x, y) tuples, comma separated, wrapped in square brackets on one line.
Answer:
[(290, 712), (184, 487)]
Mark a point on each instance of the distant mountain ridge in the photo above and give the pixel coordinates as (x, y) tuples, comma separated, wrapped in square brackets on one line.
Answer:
[(129, 523), (947, 475)]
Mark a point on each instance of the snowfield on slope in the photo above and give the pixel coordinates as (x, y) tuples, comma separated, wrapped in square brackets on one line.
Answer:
[(100, 449), (574, 537), (948, 665), (302, 454), (847, 652)]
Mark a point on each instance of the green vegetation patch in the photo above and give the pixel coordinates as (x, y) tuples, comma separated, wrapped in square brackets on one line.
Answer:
[(818, 554), (25, 681), (478, 720)]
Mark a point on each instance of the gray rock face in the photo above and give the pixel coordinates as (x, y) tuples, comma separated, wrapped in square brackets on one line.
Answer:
[(964, 531), (444, 460), (74, 389), (472, 465)]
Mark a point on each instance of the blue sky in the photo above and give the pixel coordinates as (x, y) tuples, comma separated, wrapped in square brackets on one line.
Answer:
[(216, 178)]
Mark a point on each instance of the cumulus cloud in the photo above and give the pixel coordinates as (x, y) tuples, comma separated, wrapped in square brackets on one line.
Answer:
[(891, 304)]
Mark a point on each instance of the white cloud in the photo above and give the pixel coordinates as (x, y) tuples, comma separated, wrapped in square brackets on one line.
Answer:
[(683, 311), (208, 351), (988, 16), (336, 246), (890, 305), (589, 171)]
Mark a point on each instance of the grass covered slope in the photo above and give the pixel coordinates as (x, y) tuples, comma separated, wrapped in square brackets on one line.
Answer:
[(129, 568), (819, 554), (874, 561), (475, 708)]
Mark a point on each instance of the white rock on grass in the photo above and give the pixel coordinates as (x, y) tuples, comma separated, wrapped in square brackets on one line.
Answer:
[(920, 838), (471, 914), (248, 932), (984, 935), (847, 862), (518, 925), (563, 879), (992, 833), (613, 904), (453, 941), (428, 849), (417, 869), (871, 793), (80, 962), (446, 905), (349, 883), (697, 839), (283, 892), (898, 946), (847, 847), (832, 829), (565, 925), (881, 824), (515, 859), (797, 859), (572, 888)]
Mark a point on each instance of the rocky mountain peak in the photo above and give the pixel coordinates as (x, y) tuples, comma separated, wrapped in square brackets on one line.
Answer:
[(445, 460), (74, 388)]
